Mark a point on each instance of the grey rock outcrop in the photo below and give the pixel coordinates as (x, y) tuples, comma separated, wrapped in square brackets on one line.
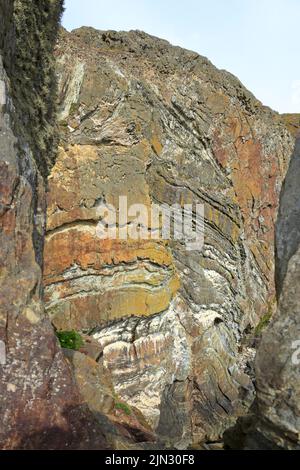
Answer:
[(40, 407), (278, 357)]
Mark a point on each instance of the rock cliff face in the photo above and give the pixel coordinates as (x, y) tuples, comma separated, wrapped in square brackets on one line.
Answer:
[(39, 405), (292, 121), (164, 360), (278, 357), (159, 124)]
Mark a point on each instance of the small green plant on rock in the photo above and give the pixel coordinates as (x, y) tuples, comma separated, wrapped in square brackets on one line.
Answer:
[(70, 339), (124, 407), (265, 320), (64, 123), (73, 108)]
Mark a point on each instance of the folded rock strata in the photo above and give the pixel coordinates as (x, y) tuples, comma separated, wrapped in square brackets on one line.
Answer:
[(159, 124), (124, 426)]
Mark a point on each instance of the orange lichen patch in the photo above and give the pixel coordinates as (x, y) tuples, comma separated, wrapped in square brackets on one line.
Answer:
[(224, 145), (220, 152), (292, 122), (132, 285), (156, 144), (259, 252), (122, 297), (8, 183), (111, 305), (67, 196), (248, 182), (223, 222), (8, 222), (217, 102), (79, 214), (237, 128), (255, 187), (142, 150), (255, 176), (83, 248), (72, 158)]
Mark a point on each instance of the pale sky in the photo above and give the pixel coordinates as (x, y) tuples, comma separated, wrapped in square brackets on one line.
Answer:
[(256, 40)]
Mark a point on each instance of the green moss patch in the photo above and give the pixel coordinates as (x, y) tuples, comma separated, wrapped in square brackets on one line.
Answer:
[(124, 407), (265, 320), (70, 339)]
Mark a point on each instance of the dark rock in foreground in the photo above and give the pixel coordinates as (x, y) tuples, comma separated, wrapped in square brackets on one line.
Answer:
[(40, 407)]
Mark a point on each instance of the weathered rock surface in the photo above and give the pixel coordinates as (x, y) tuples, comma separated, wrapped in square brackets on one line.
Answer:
[(292, 121), (278, 357), (123, 425), (156, 123), (274, 420), (40, 407)]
